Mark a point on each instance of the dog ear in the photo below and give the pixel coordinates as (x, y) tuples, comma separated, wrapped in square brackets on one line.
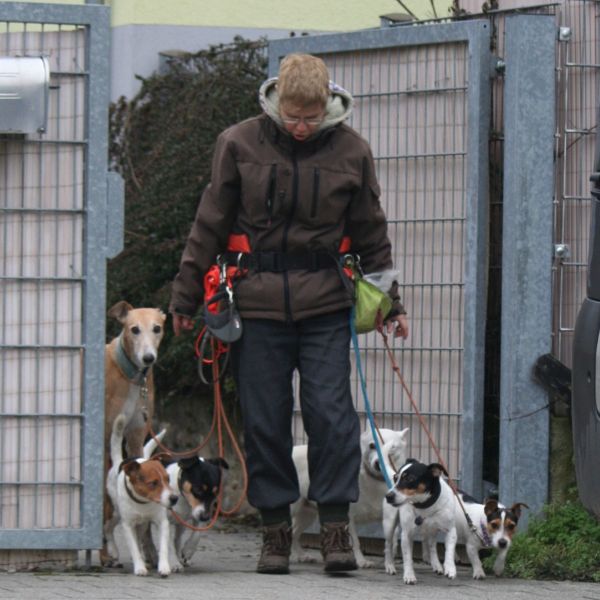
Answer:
[(437, 470), (490, 506), (516, 508), (119, 311), (131, 467), (188, 463), (219, 462)]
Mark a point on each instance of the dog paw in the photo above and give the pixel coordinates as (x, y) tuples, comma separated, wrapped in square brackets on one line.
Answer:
[(365, 564), (140, 571), (177, 567), (410, 578), (164, 571), (478, 575), (390, 569), (450, 573)]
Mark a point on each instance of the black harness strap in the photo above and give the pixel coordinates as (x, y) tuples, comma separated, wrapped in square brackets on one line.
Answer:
[(279, 262)]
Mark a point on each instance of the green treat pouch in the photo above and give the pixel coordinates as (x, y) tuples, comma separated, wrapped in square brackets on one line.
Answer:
[(371, 305)]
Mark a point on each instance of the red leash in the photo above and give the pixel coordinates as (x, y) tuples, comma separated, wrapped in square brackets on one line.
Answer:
[(219, 422)]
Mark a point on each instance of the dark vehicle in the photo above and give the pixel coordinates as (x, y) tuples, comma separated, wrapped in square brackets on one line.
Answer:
[(586, 366)]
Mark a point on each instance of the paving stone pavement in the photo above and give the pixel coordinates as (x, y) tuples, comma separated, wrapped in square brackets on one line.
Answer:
[(223, 569)]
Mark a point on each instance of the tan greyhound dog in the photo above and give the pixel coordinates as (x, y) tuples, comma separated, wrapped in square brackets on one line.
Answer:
[(129, 385)]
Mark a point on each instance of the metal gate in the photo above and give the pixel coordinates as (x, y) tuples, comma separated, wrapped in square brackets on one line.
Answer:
[(423, 102), (55, 199)]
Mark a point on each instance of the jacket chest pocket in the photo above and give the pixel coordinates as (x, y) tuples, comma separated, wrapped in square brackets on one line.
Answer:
[(326, 195), (263, 191), (315, 192)]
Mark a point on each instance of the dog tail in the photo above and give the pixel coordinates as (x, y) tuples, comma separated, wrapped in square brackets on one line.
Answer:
[(151, 445), (116, 440)]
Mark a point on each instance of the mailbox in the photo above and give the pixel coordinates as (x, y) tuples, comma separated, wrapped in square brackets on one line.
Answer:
[(24, 85)]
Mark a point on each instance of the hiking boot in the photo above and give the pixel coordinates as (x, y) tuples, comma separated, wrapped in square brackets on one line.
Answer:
[(336, 548), (275, 554)]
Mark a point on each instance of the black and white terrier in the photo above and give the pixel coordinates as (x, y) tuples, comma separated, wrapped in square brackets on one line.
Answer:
[(428, 506)]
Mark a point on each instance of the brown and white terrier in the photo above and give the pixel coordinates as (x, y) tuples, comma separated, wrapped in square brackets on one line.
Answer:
[(141, 493)]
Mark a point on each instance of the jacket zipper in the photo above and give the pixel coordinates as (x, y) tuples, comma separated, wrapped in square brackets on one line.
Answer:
[(284, 244), (315, 198), (271, 192)]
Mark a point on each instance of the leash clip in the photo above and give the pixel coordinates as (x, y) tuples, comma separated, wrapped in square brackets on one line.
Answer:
[(352, 261), (144, 392)]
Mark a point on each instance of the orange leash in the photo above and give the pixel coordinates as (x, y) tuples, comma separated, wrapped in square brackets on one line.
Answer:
[(219, 421), (223, 420), (184, 454)]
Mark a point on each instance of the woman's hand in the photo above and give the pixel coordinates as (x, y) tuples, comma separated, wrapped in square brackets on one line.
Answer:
[(399, 325), (181, 323)]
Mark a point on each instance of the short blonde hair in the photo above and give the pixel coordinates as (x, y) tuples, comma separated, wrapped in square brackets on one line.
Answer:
[(303, 80)]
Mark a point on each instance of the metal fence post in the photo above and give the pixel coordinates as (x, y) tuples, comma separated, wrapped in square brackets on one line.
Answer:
[(529, 102)]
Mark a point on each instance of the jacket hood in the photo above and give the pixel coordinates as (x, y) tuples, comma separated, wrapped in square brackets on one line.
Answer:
[(338, 109)]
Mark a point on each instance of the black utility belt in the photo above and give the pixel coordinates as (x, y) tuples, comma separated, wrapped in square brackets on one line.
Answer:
[(278, 262)]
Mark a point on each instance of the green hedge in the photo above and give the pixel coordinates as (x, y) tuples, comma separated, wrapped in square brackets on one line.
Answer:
[(561, 544)]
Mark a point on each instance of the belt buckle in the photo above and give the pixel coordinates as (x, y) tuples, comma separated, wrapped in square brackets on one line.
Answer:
[(278, 262)]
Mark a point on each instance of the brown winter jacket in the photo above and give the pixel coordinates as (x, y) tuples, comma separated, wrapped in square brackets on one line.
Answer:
[(290, 197)]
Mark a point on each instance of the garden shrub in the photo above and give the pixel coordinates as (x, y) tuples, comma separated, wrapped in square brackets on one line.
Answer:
[(561, 544)]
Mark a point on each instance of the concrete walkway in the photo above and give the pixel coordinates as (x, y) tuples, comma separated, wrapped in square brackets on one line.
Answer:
[(223, 569)]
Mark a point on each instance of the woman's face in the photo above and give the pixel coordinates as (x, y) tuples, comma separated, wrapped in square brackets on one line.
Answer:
[(301, 121)]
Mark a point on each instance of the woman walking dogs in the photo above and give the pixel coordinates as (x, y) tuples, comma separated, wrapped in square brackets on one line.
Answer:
[(291, 192)]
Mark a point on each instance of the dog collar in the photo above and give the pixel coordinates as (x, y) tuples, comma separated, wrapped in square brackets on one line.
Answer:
[(130, 494), (485, 537), (127, 366), (378, 477), (431, 500)]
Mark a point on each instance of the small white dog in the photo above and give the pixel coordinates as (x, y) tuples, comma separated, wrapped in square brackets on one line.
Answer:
[(429, 506), (141, 494), (371, 505)]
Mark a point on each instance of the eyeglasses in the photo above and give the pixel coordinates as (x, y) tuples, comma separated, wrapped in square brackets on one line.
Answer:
[(294, 121)]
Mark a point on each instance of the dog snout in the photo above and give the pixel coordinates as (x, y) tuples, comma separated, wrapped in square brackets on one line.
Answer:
[(502, 543), (148, 358), (173, 499), (390, 497), (200, 513)]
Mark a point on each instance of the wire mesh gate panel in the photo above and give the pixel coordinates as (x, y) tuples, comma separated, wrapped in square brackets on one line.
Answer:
[(578, 76), (53, 243), (422, 102)]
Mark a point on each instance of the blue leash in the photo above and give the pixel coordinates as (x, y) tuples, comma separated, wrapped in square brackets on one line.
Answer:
[(363, 385)]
